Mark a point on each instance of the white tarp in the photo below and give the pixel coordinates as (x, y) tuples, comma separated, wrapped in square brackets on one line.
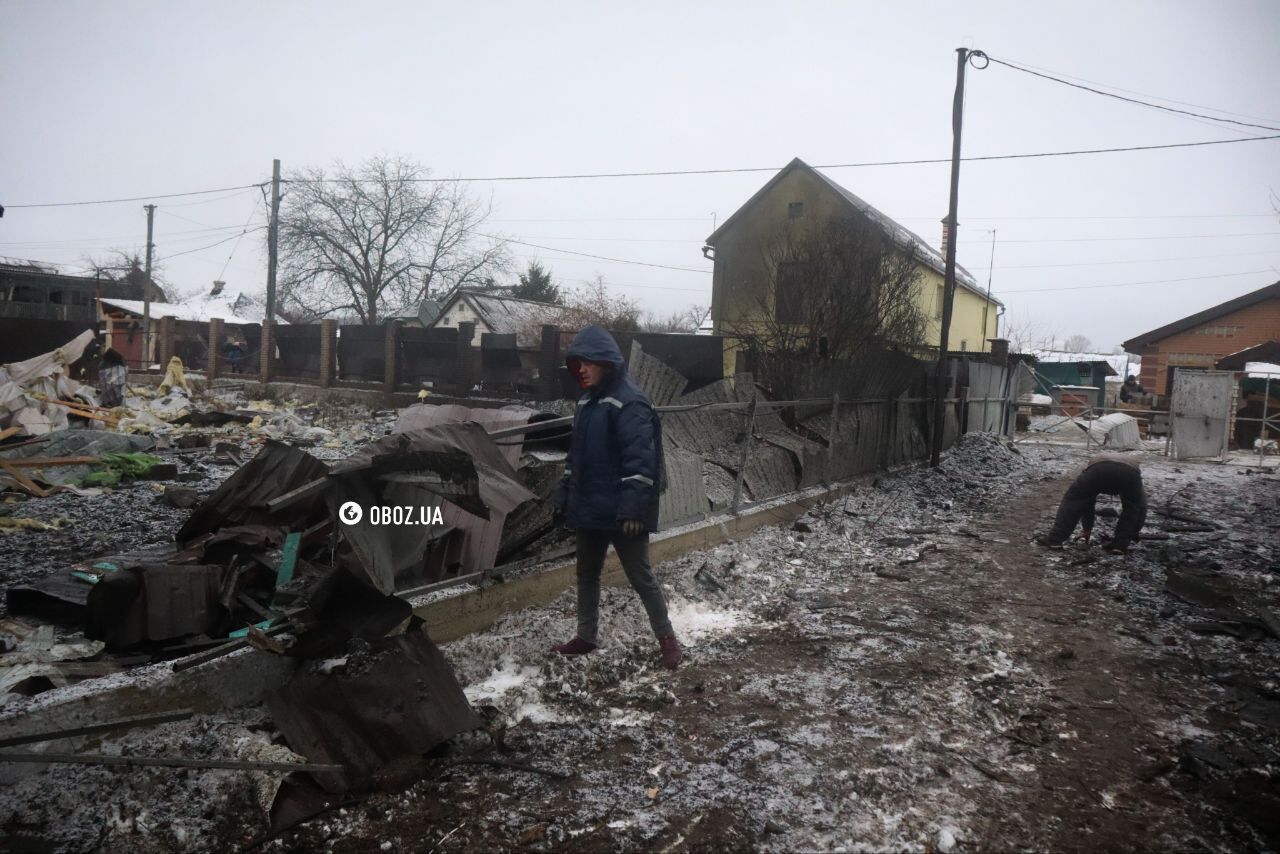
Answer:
[(1117, 430)]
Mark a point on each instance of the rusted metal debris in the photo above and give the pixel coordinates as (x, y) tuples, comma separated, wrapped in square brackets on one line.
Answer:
[(402, 702)]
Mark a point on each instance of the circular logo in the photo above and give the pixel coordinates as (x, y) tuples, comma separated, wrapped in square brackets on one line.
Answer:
[(350, 513)]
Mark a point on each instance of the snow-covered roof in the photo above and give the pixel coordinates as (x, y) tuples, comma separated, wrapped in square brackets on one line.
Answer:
[(232, 307), (1261, 369), (504, 314), (1117, 361)]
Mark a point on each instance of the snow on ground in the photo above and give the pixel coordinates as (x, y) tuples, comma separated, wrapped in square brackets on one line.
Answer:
[(902, 670)]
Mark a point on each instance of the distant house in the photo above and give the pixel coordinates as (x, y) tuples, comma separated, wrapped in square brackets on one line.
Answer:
[(1197, 342), (122, 321), (1078, 379), (495, 313), (801, 197), (39, 292)]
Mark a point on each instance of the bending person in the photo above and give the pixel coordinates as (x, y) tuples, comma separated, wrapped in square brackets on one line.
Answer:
[(1106, 474)]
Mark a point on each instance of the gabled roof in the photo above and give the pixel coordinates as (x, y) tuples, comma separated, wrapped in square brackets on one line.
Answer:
[(1191, 321), (502, 314), (1115, 362), (900, 234), (1268, 351), (231, 306)]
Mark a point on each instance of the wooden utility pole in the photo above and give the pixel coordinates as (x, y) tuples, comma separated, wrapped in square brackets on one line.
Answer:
[(273, 234), (949, 281), (146, 292)]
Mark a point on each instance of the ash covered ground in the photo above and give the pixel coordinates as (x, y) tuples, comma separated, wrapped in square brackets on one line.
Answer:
[(902, 669)]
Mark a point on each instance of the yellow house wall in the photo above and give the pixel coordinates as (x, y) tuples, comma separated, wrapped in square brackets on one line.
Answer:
[(741, 276)]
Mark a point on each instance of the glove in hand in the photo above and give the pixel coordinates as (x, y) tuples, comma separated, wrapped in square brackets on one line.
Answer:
[(632, 527)]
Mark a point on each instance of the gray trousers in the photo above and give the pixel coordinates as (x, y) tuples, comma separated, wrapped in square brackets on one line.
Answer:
[(633, 552)]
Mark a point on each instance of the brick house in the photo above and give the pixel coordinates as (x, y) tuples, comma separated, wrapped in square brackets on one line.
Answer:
[(1199, 340)]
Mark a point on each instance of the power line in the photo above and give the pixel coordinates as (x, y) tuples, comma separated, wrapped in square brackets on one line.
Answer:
[(1112, 263), (921, 162), (683, 172), (596, 257), (134, 198), (211, 245), (1132, 284), (1131, 100), (1104, 239), (177, 235)]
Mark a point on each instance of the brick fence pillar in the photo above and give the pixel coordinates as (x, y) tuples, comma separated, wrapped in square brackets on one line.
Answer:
[(391, 371), (466, 331), (266, 355), (328, 351), (215, 348), (166, 338), (549, 363)]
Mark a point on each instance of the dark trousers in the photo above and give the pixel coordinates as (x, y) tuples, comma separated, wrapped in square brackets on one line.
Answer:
[(633, 552), (1105, 478)]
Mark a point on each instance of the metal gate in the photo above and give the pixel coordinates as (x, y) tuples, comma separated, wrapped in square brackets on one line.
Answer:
[(1201, 413)]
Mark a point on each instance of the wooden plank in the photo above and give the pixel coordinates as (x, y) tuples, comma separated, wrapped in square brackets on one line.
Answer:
[(166, 762), (302, 493), (22, 480), (9, 431), (45, 462), (108, 726)]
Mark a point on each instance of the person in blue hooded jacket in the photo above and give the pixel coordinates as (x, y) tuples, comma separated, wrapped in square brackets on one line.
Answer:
[(609, 493)]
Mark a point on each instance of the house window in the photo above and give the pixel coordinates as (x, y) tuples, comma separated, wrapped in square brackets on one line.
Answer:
[(795, 210), (964, 345), (788, 296), (937, 303)]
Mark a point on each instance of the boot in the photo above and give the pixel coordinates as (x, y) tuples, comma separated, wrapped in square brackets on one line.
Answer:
[(577, 646), (671, 652), (1043, 540)]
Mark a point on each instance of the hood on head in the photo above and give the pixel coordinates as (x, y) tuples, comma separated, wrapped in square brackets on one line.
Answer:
[(594, 344)]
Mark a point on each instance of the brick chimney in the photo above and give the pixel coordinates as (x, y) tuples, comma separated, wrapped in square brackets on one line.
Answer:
[(218, 285), (946, 236)]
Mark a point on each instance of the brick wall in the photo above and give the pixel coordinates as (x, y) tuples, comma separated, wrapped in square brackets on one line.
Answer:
[(1202, 346)]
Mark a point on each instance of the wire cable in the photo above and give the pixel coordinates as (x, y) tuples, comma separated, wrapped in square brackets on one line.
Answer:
[(135, 198), (1132, 284), (596, 257), (211, 245), (1132, 100)]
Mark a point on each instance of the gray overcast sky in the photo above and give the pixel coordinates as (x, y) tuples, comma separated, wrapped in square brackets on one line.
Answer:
[(107, 99)]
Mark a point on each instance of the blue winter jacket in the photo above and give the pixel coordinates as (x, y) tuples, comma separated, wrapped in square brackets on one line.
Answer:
[(615, 459)]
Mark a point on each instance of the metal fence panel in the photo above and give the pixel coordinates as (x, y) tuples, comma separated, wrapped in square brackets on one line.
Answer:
[(1201, 413)]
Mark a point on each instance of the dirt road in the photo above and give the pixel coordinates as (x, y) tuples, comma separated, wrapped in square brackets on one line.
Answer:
[(909, 672)]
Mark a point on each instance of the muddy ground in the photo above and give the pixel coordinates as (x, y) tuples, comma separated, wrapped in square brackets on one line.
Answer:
[(908, 673), (902, 670)]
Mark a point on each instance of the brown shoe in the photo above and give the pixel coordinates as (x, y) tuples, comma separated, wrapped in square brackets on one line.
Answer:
[(672, 655), (577, 646)]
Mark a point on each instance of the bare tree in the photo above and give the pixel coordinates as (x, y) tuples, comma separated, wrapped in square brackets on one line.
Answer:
[(128, 266), (1077, 344), (687, 320), (835, 291), (1026, 334), (377, 239), (592, 304)]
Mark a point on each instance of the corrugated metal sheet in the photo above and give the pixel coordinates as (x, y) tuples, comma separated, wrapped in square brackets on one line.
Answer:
[(480, 538), (686, 495), (403, 704), (661, 383)]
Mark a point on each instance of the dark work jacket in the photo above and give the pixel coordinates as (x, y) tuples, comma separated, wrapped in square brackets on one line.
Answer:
[(615, 458)]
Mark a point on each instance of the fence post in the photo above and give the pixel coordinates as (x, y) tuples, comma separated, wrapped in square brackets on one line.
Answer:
[(328, 348), (267, 352), (391, 367), (466, 331), (963, 395), (549, 363), (215, 349), (166, 338), (742, 454)]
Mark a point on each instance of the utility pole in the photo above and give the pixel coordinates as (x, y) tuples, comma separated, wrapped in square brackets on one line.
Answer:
[(949, 281), (146, 292), (273, 234), (991, 268)]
